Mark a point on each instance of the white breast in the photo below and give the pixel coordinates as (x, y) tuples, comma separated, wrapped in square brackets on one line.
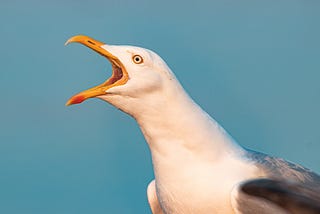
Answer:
[(193, 185)]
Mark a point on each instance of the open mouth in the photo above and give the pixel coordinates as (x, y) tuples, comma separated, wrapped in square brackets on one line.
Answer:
[(119, 74)]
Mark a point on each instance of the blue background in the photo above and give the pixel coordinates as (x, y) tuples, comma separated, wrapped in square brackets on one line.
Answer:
[(252, 65)]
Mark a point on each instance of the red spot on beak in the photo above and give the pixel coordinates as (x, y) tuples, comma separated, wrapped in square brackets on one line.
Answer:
[(75, 100)]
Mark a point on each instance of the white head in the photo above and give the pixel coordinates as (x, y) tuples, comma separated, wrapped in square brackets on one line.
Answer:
[(143, 86), (140, 78)]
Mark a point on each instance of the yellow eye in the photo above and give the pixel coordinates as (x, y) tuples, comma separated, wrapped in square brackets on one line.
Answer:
[(137, 59)]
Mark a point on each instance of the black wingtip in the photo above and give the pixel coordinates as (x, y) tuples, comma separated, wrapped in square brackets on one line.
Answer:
[(295, 198)]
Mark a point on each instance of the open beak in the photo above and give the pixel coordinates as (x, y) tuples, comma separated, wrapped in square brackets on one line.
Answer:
[(119, 73)]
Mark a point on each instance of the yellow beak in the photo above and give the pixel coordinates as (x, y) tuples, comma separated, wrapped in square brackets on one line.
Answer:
[(119, 73)]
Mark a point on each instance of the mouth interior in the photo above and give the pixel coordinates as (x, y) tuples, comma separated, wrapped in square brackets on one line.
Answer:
[(117, 74)]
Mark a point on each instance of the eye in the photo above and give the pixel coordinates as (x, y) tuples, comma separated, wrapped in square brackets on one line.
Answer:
[(137, 59)]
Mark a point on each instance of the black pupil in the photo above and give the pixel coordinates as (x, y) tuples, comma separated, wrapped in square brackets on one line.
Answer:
[(137, 59)]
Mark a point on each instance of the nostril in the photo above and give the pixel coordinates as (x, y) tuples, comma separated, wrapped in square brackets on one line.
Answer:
[(89, 41)]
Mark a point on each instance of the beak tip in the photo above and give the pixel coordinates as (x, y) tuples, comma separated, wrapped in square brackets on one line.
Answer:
[(70, 40), (70, 102), (75, 100), (66, 43), (77, 38)]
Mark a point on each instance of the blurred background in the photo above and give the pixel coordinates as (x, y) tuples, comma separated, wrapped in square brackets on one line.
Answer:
[(253, 65)]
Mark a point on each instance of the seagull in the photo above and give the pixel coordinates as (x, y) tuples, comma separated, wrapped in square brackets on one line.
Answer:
[(198, 167)]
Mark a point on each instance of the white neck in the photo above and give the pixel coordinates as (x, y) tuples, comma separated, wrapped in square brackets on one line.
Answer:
[(174, 122), (188, 148)]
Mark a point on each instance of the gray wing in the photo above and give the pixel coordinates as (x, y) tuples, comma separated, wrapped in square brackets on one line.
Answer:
[(288, 187), (292, 197), (279, 169)]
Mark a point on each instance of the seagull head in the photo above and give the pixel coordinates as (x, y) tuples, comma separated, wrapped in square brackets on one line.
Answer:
[(137, 74)]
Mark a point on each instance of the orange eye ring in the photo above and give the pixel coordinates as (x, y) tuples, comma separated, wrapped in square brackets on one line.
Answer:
[(137, 59)]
